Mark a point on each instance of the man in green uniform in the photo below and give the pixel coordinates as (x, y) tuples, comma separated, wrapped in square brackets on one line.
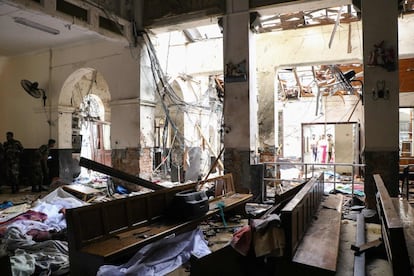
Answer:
[(2, 167), (12, 151), (40, 166)]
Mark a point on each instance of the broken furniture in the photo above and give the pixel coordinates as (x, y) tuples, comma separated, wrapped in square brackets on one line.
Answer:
[(312, 226), (397, 219), (81, 191), (111, 232)]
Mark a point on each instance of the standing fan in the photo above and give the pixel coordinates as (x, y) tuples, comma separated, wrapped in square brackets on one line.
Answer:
[(32, 88)]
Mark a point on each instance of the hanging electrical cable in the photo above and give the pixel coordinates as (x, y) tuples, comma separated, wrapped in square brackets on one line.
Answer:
[(166, 92), (159, 79)]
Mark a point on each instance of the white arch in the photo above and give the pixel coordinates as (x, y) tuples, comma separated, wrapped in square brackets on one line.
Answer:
[(82, 82)]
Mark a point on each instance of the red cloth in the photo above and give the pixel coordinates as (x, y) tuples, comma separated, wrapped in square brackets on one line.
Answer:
[(242, 240), (28, 215)]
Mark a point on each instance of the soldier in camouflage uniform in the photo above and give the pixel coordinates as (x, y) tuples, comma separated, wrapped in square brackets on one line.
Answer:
[(2, 167), (40, 167), (12, 151)]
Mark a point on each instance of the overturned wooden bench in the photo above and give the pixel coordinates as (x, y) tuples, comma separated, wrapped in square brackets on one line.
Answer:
[(397, 229), (111, 232), (312, 224)]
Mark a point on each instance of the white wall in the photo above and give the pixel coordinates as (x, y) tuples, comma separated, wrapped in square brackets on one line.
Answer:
[(24, 115), (21, 113)]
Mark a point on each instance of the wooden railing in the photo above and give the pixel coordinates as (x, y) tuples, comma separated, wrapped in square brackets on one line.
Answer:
[(312, 224), (298, 213), (392, 230)]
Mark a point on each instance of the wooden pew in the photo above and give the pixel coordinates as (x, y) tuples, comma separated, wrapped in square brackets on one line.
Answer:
[(394, 229), (312, 225), (406, 177), (111, 232)]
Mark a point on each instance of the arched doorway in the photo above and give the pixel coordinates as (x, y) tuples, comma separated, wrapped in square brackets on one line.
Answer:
[(85, 122)]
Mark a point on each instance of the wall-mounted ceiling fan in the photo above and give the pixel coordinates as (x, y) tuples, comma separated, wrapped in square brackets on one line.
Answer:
[(32, 88)]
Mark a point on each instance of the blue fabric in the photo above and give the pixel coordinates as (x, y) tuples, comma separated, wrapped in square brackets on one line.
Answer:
[(121, 190), (6, 204)]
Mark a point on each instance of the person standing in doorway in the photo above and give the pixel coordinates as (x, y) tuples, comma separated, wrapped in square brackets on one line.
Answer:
[(2, 167), (322, 148), (330, 148), (44, 152), (12, 152), (314, 147)]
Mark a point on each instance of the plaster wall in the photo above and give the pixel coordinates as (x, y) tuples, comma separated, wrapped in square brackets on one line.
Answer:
[(311, 45), (21, 113), (25, 115), (405, 36), (308, 46), (407, 99)]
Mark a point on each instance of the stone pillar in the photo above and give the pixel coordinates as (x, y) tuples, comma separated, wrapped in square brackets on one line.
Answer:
[(126, 148), (147, 102), (381, 95), (266, 116), (240, 97)]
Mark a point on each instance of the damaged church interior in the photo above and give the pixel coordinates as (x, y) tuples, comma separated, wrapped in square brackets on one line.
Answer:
[(208, 137)]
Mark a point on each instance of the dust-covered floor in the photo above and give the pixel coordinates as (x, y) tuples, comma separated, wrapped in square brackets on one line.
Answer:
[(376, 262)]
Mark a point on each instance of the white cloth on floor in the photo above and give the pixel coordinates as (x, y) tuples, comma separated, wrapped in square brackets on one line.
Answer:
[(51, 205), (161, 257), (49, 256)]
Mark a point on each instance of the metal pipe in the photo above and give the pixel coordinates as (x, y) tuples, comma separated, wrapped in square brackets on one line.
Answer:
[(359, 260)]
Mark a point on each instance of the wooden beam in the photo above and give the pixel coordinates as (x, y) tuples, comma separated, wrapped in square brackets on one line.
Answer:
[(95, 166), (349, 39)]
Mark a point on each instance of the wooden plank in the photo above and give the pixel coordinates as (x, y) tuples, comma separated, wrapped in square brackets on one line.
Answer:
[(392, 230), (92, 165), (391, 216), (406, 214), (80, 190), (320, 244)]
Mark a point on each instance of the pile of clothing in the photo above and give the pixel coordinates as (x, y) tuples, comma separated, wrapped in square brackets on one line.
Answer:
[(35, 236)]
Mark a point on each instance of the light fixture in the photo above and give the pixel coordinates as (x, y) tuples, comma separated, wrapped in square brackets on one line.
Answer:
[(381, 92), (350, 75), (36, 25)]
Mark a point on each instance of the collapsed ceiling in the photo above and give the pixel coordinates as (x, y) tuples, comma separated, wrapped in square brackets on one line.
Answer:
[(69, 24)]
